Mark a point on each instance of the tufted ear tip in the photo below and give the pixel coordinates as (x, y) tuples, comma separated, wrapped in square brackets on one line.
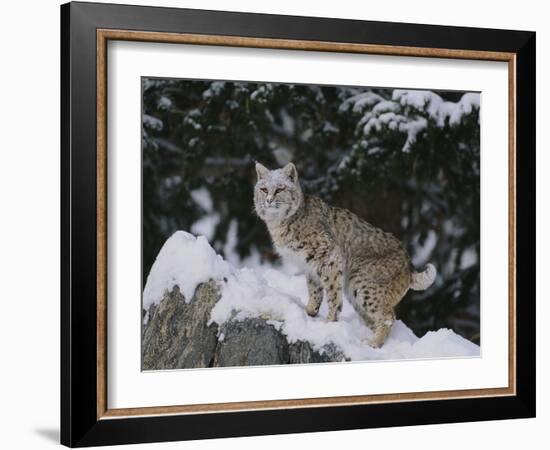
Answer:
[(261, 170), (290, 171)]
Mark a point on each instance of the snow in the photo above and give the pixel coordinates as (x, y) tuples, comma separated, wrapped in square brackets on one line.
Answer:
[(282, 155), (152, 122), (409, 111), (215, 89), (164, 103), (330, 128), (186, 261), (231, 241), (288, 124), (280, 296), (469, 258), (385, 106), (359, 102), (438, 109), (172, 182), (203, 198), (206, 225), (306, 135), (260, 93), (423, 252), (412, 129)]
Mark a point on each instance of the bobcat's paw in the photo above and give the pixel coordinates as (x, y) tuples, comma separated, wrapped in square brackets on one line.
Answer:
[(311, 311), (372, 343)]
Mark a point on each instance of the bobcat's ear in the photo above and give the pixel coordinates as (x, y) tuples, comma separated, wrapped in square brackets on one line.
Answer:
[(261, 170), (290, 171)]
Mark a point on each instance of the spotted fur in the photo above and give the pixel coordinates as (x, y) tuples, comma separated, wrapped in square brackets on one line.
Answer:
[(338, 252)]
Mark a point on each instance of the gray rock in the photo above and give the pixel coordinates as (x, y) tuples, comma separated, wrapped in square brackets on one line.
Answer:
[(301, 352), (177, 336), (251, 342)]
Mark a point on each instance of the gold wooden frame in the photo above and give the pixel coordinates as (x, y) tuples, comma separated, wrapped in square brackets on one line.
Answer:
[(103, 36)]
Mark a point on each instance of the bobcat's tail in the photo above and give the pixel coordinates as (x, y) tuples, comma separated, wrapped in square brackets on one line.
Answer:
[(423, 280)]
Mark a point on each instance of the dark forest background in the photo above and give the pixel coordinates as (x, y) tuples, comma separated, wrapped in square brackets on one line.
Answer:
[(405, 161)]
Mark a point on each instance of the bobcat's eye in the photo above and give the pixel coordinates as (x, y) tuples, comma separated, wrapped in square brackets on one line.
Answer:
[(264, 190), (281, 189)]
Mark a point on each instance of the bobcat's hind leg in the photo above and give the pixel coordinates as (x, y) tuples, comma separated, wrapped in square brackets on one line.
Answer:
[(382, 327), (375, 307), (315, 292)]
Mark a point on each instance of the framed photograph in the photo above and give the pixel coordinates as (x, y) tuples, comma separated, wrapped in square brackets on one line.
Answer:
[(278, 224)]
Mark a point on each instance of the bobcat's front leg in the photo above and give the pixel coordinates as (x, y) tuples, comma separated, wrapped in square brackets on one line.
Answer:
[(315, 296), (332, 282)]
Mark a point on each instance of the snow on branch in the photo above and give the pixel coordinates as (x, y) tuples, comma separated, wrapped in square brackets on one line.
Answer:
[(409, 112)]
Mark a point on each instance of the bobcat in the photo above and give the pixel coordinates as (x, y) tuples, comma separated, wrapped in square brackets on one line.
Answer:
[(337, 251)]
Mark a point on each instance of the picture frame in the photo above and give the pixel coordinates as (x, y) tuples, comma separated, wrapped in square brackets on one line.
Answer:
[(86, 418)]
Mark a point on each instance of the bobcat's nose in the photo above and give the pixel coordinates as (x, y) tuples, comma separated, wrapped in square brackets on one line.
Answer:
[(269, 200)]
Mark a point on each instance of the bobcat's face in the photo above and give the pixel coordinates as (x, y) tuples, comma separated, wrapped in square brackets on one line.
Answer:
[(277, 194)]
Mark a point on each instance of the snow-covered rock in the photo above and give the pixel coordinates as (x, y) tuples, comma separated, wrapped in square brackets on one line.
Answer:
[(178, 336), (184, 261), (269, 305)]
